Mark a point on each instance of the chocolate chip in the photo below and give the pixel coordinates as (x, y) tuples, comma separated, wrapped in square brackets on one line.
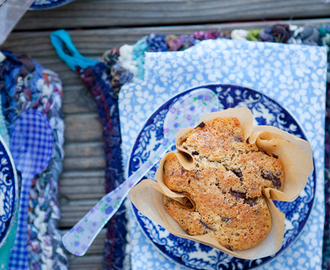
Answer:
[(195, 153), (217, 183), (229, 247), (238, 195), (269, 176), (206, 226), (226, 219), (237, 172), (251, 201), (238, 139), (201, 125), (266, 154)]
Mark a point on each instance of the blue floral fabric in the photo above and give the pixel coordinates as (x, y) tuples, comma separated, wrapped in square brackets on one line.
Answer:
[(293, 75)]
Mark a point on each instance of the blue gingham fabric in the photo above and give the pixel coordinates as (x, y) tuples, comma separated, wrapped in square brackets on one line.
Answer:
[(31, 146)]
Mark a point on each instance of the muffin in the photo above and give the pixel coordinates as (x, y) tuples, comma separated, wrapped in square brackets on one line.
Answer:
[(224, 189)]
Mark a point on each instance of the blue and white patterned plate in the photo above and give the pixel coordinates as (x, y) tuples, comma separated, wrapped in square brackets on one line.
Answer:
[(196, 255), (8, 191), (46, 4)]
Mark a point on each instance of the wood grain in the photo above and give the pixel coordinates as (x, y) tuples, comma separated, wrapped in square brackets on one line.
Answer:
[(82, 127), (88, 149), (93, 190), (72, 164), (94, 42), (116, 13), (77, 100), (81, 185), (91, 262)]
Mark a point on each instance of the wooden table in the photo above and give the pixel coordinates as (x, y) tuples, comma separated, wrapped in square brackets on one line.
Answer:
[(98, 25)]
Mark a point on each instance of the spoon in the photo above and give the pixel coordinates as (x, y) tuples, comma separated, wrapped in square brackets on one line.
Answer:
[(185, 112), (31, 147)]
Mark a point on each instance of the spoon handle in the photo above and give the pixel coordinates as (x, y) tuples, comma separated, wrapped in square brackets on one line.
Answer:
[(19, 255), (80, 237)]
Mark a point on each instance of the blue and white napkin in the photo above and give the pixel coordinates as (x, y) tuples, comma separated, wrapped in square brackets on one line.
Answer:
[(292, 75)]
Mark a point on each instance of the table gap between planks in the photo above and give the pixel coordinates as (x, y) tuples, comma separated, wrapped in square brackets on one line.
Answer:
[(98, 25)]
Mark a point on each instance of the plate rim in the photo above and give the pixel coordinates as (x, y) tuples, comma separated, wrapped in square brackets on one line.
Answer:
[(49, 6), (314, 173), (2, 141)]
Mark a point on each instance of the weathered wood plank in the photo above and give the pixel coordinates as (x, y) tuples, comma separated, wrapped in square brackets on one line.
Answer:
[(94, 262), (88, 149), (82, 128), (77, 100), (102, 13), (90, 163), (83, 192), (84, 40), (83, 156), (81, 185), (93, 43), (70, 175)]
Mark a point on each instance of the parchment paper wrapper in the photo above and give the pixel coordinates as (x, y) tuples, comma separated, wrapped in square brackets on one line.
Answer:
[(294, 153)]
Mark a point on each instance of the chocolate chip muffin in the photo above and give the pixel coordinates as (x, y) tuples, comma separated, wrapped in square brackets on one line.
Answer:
[(224, 189)]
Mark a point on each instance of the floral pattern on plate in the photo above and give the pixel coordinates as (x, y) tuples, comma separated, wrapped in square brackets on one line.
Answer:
[(196, 255), (8, 191), (46, 4)]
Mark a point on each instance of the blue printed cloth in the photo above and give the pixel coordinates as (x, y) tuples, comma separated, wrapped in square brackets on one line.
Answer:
[(31, 146), (292, 75)]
